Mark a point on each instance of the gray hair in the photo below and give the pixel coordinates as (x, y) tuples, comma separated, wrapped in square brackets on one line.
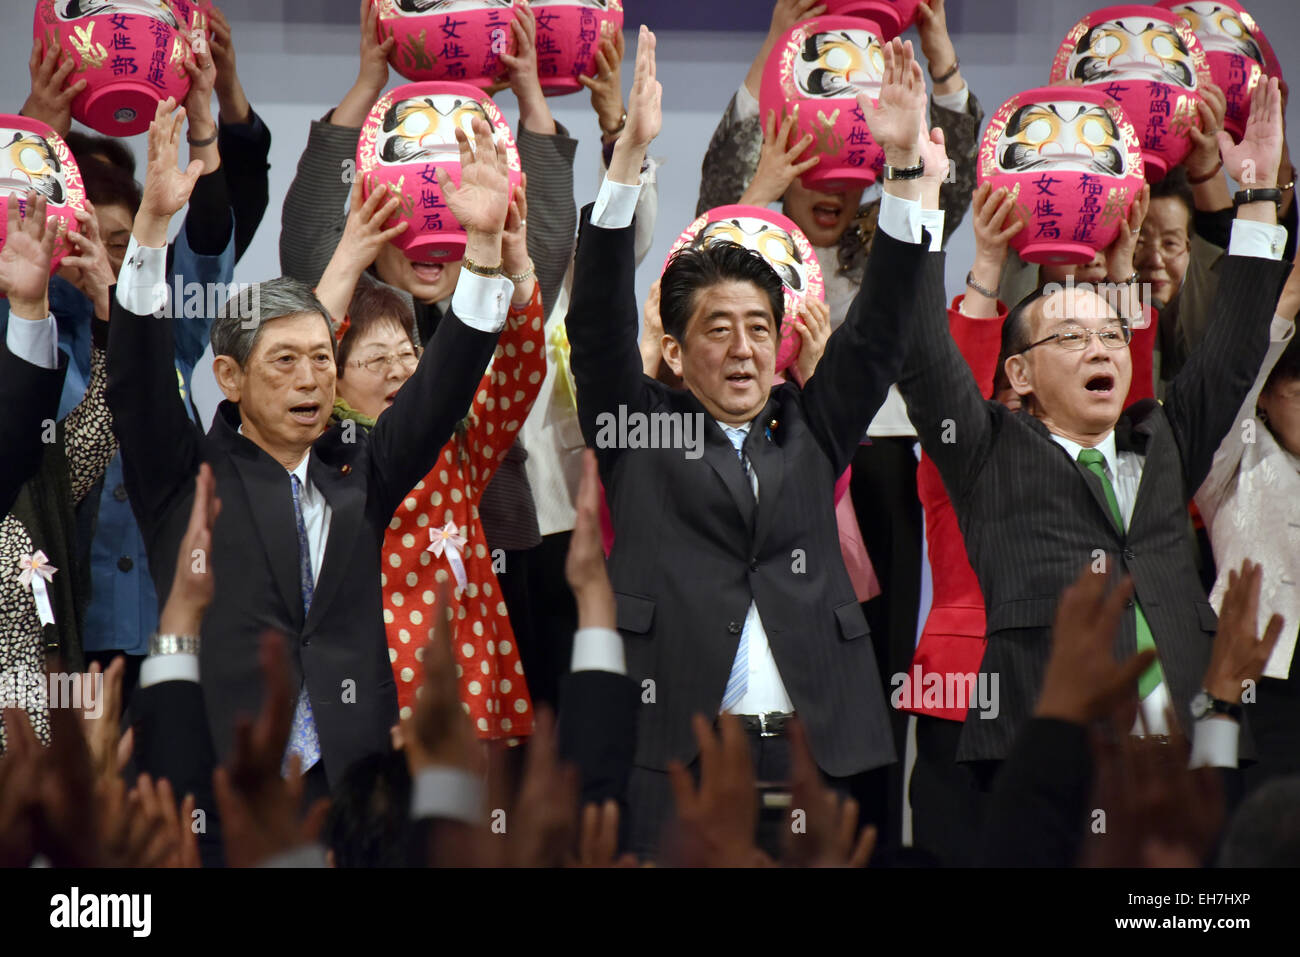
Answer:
[(239, 324)]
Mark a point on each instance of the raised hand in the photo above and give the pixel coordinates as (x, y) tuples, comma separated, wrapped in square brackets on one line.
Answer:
[(203, 79), (778, 164), (260, 808), (50, 101), (1253, 162), (1239, 654), (897, 117), (787, 13), (372, 74), (166, 188), (715, 822), (1083, 681), (364, 236), (521, 70), (606, 85), (814, 329), (936, 44), (544, 815), (110, 748), (230, 92), (598, 838), (89, 268), (25, 258), (19, 790), (584, 568), (644, 115), (830, 837), (482, 200), (515, 260), (1203, 160), (193, 583), (934, 157), (993, 215)]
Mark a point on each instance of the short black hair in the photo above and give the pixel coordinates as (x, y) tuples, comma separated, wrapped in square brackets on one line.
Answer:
[(87, 146), (369, 818), (1016, 329), (694, 269), (109, 185), (1176, 186), (1288, 365)]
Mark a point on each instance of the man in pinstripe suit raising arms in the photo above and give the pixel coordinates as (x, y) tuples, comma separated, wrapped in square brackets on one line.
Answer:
[(1074, 479)]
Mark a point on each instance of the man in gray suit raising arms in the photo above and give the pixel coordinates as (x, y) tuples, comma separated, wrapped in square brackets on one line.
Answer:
[(1075, 479)]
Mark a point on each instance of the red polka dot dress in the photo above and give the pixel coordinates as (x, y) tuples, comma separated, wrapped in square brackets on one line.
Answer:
[(436, 536)]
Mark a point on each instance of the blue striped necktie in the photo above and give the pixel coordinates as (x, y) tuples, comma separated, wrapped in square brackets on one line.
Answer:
[(303, 739), (738, 680)]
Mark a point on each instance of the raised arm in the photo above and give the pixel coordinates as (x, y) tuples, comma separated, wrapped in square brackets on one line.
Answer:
[(602, 318), (363, 237), (1203, 399), (406, 440), (160, 446)]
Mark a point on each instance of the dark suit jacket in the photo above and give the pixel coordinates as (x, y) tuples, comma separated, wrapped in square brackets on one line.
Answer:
[(338, 649), (1033, 517), (691, 548), (597, 731), (29, 396)]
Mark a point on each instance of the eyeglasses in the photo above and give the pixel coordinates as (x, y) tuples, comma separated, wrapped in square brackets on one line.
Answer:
[(1113, 335), (1171, 247), (379, 365)]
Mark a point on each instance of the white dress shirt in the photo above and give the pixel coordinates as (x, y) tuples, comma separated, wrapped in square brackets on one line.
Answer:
[(35, 341)]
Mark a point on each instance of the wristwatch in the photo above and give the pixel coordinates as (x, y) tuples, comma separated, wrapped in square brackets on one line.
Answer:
[(173, 644), (905, 172), (1205, 705), (1270, 194)]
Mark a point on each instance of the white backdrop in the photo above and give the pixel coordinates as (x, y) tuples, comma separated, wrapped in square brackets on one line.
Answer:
[(298, 57)]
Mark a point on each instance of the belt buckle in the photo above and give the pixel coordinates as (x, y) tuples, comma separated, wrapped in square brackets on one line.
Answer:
[(762, 727)]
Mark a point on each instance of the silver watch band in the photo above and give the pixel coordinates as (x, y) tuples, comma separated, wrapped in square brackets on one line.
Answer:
[(173, 644)]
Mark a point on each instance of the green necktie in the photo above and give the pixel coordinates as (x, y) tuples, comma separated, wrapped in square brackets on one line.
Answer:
[(1095, 462)]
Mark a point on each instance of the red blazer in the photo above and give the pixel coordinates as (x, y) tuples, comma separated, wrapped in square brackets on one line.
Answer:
[(953, 641)]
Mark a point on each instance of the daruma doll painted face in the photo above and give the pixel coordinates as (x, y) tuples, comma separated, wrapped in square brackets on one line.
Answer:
[(780, 242), (1148, 60), (568, 38), (1076, 160), (892, 17), (408, 134), (458, 40), (131, 53), (34, 157), (1238, 53), (820, 66)]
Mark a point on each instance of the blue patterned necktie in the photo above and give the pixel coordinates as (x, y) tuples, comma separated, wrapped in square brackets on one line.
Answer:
[(303, 739), (738, 680)]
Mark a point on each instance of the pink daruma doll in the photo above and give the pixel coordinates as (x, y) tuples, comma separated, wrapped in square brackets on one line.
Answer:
[(410, 132), (1237, 52), (891, 16), (1075, 158), (131, 53), (820, 66), (34, 157), (1148, 60), (779, 241), (568, 37), (460, 40)]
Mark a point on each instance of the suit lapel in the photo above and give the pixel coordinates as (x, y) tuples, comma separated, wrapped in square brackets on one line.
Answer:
[(270, 501), (347, 501), (721, 455), (1089, 479)]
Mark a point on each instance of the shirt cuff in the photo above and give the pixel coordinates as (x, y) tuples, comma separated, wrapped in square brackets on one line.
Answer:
[(901, 218), (746, 105), (447, 793), (1261, 240), (1281, 330), (956, 102), (1214, 743), (598, 649), (932, 219), (482, 302), (142, 282), (156, 669), (306, 855), (615, 205), (36, 341)]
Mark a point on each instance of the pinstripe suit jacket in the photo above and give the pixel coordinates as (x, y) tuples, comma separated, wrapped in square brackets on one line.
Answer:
[(692, 549), (1033, 518)]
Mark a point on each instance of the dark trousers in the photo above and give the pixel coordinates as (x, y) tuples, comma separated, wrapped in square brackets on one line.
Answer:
[(885, 498), (651, 808), (542, 613), (947, 800), (1275, 722)]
